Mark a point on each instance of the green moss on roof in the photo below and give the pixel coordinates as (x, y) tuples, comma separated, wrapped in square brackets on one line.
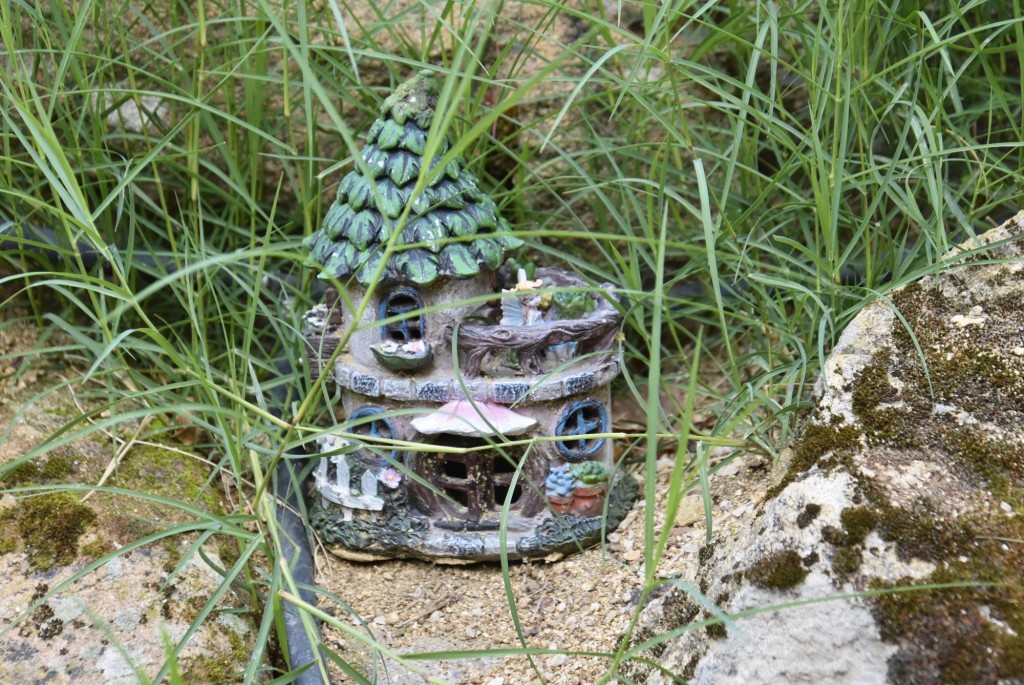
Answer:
[(452, 229)]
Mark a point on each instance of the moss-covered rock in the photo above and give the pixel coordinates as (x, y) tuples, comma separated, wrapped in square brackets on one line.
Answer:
[(907, 485), (47, 533)]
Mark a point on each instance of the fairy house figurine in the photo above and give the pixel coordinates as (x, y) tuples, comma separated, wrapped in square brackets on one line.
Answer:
[(475, 414)]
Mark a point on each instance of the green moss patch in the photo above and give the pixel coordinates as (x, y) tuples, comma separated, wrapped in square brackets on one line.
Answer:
[(848, 540), (807, 515), (972, 632), (56, 468), (779, 571), (884, 425), (857, 523), (678, 609), (996, 465), (815, 442), (154, 470), (847, 560), (51, 525), (962, 367), (919, 533), (25, 473), (872, 386), (51, 469), (171, 474), (225, 667)]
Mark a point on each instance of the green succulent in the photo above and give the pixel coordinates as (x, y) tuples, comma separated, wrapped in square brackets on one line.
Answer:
[(590, 472), (573, 305)]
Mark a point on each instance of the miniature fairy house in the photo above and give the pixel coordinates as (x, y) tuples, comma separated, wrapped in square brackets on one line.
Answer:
[(468, 406)]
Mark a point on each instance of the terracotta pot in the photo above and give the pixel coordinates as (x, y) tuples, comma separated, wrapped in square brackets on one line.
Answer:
[(560, 505), (590, 499)]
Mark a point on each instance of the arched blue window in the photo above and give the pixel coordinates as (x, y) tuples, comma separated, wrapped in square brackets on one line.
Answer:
[(379, 427), (579, 420), (400, 302)]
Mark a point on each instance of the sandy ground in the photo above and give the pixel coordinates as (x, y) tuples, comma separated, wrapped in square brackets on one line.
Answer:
[(582, 604)]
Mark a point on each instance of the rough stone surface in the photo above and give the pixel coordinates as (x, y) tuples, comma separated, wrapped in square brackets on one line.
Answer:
[(759, 652), (901, 478), (112, 621)]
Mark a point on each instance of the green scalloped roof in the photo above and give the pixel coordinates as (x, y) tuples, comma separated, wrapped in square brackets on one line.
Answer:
[(452, 230)]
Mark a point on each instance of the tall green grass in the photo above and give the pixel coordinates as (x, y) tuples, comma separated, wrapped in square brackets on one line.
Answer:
[(748, 174)]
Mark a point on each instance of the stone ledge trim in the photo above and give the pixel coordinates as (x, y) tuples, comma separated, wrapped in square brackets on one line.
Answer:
[(500, 390)]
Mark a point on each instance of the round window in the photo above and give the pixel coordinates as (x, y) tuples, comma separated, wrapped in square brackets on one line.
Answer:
[(361, 423), (579, 422)]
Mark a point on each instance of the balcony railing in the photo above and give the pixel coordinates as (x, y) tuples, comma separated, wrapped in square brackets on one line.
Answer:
[(592, 333)]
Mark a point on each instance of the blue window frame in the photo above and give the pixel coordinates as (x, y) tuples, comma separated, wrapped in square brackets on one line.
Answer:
[(401, 302), (579, 420), (380, 427)]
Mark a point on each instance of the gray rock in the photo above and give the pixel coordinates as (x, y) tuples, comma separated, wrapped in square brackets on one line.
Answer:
[(101, 628), (110, 625), (910, 472)]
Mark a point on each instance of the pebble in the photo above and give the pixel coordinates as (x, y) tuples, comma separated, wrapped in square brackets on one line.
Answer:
[(1019, 351), (1005, 506), (496, 681), (691, 510), (557, 660), (729, 470), (976, 317), (741, 511)]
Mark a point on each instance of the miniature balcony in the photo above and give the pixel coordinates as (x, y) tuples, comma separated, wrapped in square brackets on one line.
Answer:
[(542, 340)]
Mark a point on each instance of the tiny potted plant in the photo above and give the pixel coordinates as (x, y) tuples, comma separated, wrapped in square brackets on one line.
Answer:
[(559, 488), (591, 480)]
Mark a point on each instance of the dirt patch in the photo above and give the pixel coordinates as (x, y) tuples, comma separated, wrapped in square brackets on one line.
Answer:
[(581, 605)]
